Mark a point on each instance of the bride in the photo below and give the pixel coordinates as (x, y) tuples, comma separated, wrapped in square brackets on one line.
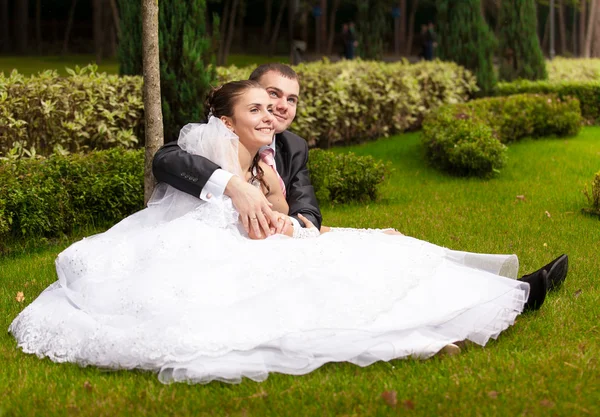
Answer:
[(179, 288)]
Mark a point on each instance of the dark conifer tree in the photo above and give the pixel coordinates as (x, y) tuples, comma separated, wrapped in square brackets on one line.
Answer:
[(187, 63), (187, 57), (520, 52), (130, 40), (465, 38)]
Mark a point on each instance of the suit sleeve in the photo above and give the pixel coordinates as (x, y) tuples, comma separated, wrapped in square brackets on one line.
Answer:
[(184, 171), (301, 194)]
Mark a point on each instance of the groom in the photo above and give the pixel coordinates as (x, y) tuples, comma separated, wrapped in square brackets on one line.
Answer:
[(200, 177)]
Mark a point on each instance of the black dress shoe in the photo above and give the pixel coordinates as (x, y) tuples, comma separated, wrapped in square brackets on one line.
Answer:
[(538, 287), (557, 271)]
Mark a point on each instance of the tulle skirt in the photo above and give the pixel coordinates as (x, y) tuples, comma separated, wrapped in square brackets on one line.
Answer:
[(184, 293)]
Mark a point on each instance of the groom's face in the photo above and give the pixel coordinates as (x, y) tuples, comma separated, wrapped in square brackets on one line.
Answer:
[(283, 93)]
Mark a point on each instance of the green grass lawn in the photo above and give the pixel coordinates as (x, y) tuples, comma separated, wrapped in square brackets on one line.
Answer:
[(547, 364), (29, 65)]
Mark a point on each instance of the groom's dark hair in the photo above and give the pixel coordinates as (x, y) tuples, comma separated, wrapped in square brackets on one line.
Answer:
[(282, 69)]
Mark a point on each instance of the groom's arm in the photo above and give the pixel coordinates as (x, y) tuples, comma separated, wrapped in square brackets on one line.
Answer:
[(200, 177), (192, 174)]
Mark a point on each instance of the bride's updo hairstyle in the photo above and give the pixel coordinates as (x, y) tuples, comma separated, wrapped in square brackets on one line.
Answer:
[(220, 102)]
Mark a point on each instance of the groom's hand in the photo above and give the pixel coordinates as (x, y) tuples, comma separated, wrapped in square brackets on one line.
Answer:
[(254, 208)]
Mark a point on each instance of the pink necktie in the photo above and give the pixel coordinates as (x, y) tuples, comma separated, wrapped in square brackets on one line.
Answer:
[(266, 155)]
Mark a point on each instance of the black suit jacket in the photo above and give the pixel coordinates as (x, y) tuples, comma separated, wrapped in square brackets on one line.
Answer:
[(189, 173)]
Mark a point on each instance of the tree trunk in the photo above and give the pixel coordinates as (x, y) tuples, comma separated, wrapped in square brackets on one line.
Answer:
[(222, 31), (323, 27), (4, 25), (402, 29), (411, 27), (115, 16), (38, 25), (596, 36), (239, 24), (98, 29), (65, 48), (582, 18), (546, 33), (230, 30), (587, 50), (152, 104), (267, 25), (334, 9), (275, 33), (562, 28), (21, 26)]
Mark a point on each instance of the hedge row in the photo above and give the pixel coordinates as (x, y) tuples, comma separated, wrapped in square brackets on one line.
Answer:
[(351, 101), (46, 197), (570, 69), (341, 102), (593, 196), (587, 92), (468, 139), (86, 110)]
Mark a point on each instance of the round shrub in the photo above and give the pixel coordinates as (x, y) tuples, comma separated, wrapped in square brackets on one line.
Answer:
[(461, 144), (341, 178)]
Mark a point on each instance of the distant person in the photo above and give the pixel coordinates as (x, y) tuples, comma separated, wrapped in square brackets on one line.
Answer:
[(423, 36), (431, 40), (352, 41), (344, 39)]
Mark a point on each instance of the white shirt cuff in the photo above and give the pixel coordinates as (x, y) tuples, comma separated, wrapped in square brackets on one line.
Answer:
[(215, 186), (295, 223)]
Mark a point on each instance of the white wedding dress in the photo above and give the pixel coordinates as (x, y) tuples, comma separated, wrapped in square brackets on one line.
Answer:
[(179, 289)]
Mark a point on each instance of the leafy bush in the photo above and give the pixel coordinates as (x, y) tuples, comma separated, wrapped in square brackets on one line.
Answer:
[(587, 92), (460, 138), (593, 196), (568, 69), (522, 115), (351, 101), (461, 143), (47, 197), (341, 178), (87, 110)]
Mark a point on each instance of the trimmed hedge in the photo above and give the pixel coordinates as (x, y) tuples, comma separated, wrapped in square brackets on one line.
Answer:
[(593, 196), (351, 101), (87, 110), (342, 178), (587, 92), (573, 69), (341, 103), (47, 197), (467, 139)]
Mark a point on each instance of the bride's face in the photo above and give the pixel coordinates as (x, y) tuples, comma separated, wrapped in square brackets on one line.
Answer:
[(252, 119)]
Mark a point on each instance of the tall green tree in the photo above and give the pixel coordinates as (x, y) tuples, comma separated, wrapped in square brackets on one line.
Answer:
[(130, 38), (187, 62), (374, 22), (465, 38), (520, 52), (187, 57)]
